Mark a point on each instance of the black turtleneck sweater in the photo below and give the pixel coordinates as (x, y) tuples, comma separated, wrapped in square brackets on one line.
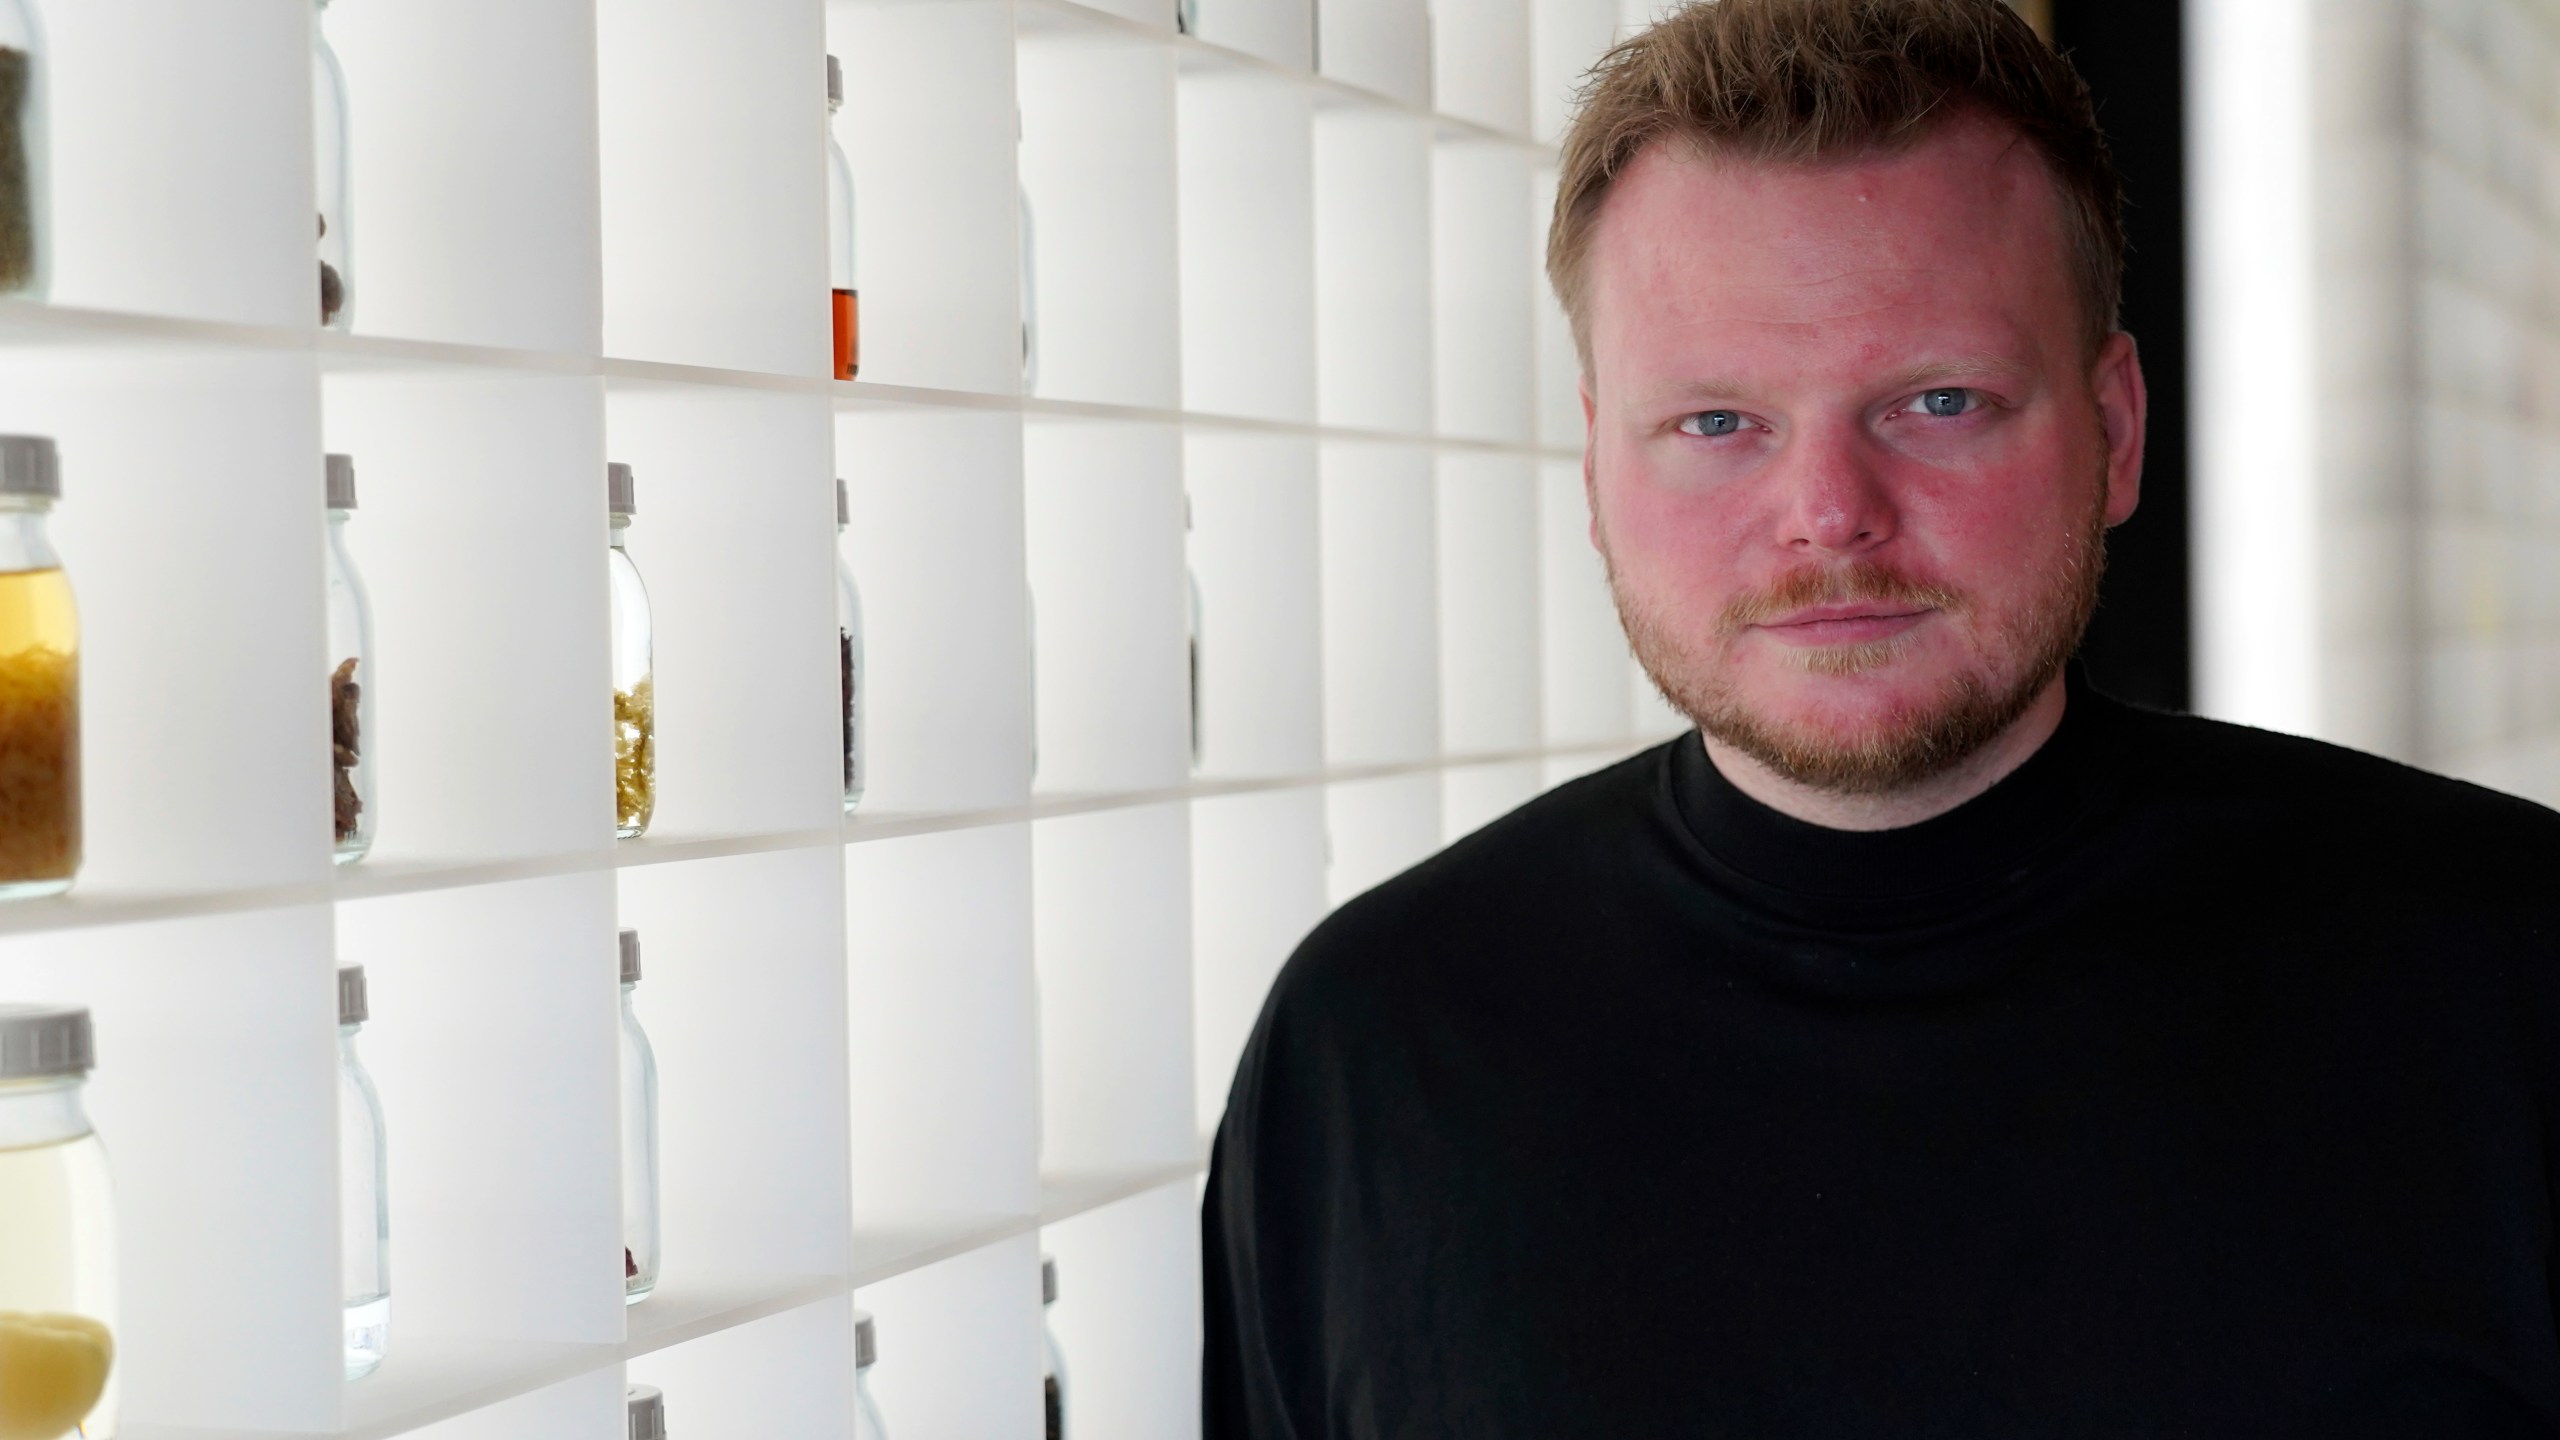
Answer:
[(2192, 1081)]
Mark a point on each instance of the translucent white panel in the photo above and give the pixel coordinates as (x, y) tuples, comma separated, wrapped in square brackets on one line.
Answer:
[(1098, 164), (713, 147), (1248, 248), (937, 548), (1584, 651), (494, 1043), (586, 1407), (479, 535), (1378, 829), (931, 126), (1113, 939), (1127, 1318), (473, 130), (788, 1374), (1488, 603), (216, 1097), (1257, 888), (1565, 38), (180, 166), (735, 539), (1558, 370), (1373, 269), (1381, 601), (960, 1345), (190, 526), (1255, 549), (1484, 247), (1472, 796), (1103, 524), (1281, 31), (742, 993), (944, 1052), (1480, 61), (1381, 45)]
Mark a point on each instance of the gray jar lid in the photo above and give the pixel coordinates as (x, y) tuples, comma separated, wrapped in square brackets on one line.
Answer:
[(866, 1345), (621, 497), (355, 1005), (844, 506), (1048, 1280), (342, 480), (29, 465), (835, 83), (648, 1412), (42, 1040), (630, 940)]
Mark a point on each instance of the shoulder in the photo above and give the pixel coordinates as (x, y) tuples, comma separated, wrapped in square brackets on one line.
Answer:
[(2356, 811)]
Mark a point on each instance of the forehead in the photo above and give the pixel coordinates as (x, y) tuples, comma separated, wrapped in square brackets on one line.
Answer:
[(1956, 243)]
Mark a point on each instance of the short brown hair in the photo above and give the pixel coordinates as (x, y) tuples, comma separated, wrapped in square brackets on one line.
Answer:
[(1802, 81)]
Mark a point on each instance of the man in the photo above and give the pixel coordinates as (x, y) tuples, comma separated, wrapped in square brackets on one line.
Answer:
[(1928, 1045)]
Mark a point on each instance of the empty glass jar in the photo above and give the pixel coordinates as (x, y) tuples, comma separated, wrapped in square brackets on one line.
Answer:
[(351, 678), (26, 258), (1030, 297), (58, 1247), (635, 703), (364, 1191), (39, 681), (1053, 1366), (866, 1413), (849, 646), (646, 1412), (639, 1140), (330, 177), (846, 297)]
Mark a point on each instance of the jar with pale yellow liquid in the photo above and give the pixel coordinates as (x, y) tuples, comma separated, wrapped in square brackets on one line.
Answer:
[(39, 682), (57, 1234)]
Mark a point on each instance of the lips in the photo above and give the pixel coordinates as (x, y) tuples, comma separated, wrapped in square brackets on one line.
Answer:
[(1853, 623)]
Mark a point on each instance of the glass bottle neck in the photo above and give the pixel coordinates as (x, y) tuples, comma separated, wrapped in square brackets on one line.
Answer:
[(24, 541), (619, 532), (41, 1112)]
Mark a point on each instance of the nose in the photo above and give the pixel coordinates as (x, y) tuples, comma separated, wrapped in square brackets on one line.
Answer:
[(1831, 497)]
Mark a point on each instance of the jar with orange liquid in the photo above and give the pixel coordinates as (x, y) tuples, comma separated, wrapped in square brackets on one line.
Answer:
[(57, 1234), (848, 311)]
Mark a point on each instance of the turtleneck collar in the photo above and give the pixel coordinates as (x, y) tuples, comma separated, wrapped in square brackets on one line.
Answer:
[(1892, 879)]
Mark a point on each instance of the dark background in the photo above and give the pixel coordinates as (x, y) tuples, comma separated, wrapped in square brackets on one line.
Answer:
[(2131, 55)]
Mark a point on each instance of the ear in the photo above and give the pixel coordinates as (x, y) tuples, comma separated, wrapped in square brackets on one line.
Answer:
[(1590, 483), (2123, 408)]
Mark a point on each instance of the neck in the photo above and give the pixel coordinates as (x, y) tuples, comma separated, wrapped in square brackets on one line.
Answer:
[(1893, 809)]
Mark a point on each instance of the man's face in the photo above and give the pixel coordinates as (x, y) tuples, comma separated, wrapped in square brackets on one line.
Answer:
[(1849, 461)]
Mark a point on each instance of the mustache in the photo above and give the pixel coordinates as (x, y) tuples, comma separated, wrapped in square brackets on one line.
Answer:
[(1859, 581)]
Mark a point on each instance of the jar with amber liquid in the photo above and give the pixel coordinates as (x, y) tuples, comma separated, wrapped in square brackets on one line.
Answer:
[(57, 1234), (848, 305), (26, 251), (635, 704), (39, 681)]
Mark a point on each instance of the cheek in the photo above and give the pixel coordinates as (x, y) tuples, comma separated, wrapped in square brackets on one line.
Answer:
[(1667, 543), (1998, 534)]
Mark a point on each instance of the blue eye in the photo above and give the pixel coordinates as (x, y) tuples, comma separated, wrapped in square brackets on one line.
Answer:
[(1712, 422), (1945, 403)]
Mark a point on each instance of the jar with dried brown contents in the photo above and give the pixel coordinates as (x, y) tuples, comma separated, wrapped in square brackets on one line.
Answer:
[(635, 705), (39, 681), (330, 180), (351, 679), (25, 249)]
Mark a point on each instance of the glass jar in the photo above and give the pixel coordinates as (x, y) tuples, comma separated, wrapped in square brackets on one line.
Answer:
[(866, 1412), (1030, 293), (330, 185), (364, 1191), (1191, 583), (1186, 16), (58, 1247), (840, 277), (1053, 1366), (26, 243), (639, 1140), (849, 647), (635, 704), (351, 679), (645, 1412), (39, 681)]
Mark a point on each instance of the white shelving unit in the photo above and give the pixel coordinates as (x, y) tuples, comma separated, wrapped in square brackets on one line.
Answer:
[(1292, 335)]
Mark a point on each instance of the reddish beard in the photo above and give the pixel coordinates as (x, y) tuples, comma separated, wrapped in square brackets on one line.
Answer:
[(1914, 742)]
